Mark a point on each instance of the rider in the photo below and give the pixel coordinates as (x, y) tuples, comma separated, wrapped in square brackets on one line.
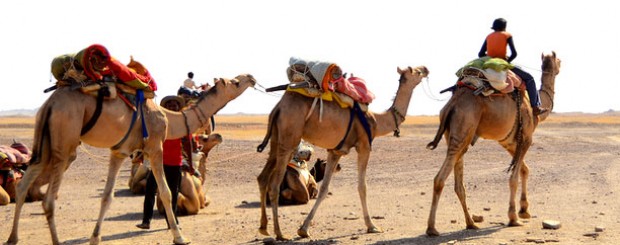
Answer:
[(495, 46)]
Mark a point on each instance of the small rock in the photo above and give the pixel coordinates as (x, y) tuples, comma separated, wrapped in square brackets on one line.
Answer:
[(534, 240), (422, 193), (244, 202), (354, 237), (451, 242), (552, 240), (599, 229), (593, 235), (453, 221), (551, 224), (377, 217), (477, 218), (486, 209)]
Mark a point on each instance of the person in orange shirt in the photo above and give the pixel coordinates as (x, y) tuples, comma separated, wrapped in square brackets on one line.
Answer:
[(495, 46)]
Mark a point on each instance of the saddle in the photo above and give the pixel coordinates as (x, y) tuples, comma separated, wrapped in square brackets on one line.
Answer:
[(489, 82)]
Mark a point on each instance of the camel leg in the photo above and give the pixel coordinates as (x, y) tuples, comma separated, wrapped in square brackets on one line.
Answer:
[(164, 193), (523, 212), (49, 201), (275, 180), (115, 164), (456, 147), (514, 182), (263, 181), (362, 164), (459, 188), (332, 161), (28, 179)]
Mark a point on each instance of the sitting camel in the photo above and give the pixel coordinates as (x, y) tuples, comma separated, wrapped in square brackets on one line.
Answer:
[(506, 119), (300, 183), (286, 130), (13, 162), (58, 132), (192, 196)]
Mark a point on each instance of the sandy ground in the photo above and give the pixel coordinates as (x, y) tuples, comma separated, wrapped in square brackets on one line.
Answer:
[(575, 169)]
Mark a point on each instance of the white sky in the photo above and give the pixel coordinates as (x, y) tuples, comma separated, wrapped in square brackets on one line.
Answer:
[(366, 38)]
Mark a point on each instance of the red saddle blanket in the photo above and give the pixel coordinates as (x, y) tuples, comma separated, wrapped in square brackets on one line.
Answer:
[(354, 87)]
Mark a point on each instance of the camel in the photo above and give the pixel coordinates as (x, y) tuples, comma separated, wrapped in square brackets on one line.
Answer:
[(287, 128), (300, 185), (62, 117), (13, 161), (465, 117), (192, 196)]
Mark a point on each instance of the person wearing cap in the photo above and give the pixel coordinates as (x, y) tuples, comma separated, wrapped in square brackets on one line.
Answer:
[(495, 46), (172, 160)]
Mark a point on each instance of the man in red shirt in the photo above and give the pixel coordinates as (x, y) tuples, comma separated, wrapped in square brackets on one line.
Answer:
[(172, 158), (495, 46)]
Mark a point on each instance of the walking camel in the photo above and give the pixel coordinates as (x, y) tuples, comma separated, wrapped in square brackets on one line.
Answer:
[(286, 129), (466, 116), (57, 135)]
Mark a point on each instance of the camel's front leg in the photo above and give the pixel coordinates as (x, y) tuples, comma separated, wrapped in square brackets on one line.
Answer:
[(524, 213), (459, 188), (31, 174), (362, 164), (115, 164), (332, 161), (164, 193)]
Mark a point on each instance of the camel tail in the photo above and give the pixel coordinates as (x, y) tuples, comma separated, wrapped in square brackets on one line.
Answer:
[(272, 120), (41, 134), (444, 120)]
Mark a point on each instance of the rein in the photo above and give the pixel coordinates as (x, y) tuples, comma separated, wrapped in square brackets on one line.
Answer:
[(397, 115)]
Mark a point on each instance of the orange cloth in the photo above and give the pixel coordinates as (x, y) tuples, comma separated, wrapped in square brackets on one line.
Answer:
[(496, 44)]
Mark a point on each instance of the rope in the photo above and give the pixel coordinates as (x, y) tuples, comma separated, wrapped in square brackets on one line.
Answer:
[(429, 93), (273, 94), (99, 159)]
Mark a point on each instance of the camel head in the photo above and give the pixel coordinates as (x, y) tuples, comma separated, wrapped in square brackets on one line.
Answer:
[(318, 171), (412, 74), (550, 63), (209, 141), (228, 89)]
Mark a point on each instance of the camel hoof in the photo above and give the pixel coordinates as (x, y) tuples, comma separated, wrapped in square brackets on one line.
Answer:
[(181, 241), (95, 240), (375, 230), (514, 223), (524, 215), (263, 231), (472, 227), (303, 233), (432, 232)]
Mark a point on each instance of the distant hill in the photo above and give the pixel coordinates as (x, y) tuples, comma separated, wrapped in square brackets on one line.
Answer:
[(19, 112)]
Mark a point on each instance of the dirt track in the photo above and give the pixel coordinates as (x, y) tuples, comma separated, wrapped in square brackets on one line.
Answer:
[(575, 169)]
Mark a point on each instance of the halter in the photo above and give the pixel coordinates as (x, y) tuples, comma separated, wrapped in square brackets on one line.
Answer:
[(396, 115)]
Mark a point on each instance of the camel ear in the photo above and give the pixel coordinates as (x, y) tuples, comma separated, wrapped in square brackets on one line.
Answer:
[(553, 52), (400, 71), (542, 55), (214, 80), (410, 69)]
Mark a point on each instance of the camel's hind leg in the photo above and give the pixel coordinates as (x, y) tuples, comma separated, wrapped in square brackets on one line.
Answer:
[(31, 174), (524, 212), (457, 145), (49, 201), (332, 161), (459, 188), (263, 185), (514, 182), (275, 180), (115, 165)]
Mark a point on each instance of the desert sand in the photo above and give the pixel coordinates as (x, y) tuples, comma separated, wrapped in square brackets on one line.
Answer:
[(574, 179)]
